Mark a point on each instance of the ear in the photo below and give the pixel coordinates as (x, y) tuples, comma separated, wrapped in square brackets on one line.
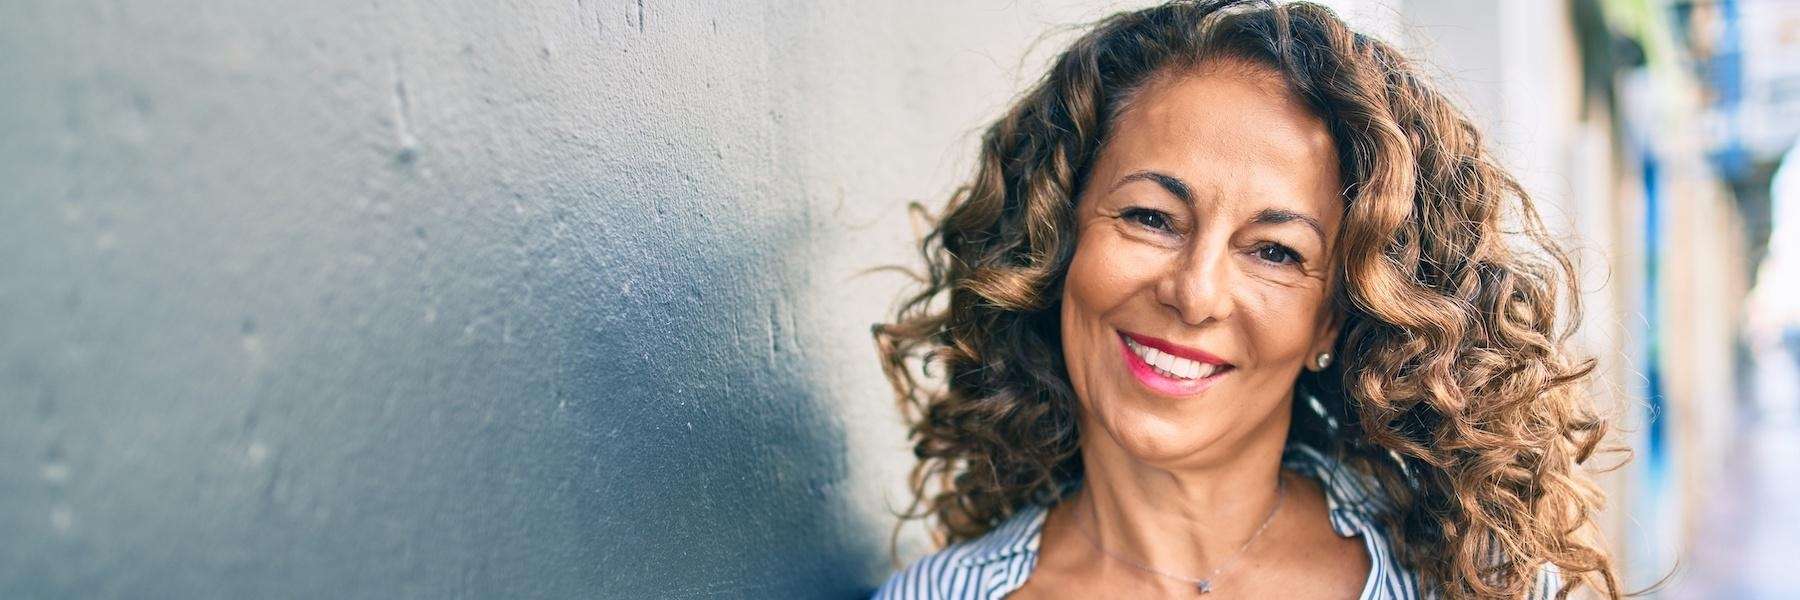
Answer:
[(1326, 338)]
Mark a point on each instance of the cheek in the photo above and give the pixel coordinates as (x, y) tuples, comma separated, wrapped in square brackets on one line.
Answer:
[(1101, 281), (1283, 323), (1099, 273)]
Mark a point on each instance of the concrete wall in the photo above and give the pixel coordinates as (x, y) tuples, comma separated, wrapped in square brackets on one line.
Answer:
[(467, 298), (470, 298)]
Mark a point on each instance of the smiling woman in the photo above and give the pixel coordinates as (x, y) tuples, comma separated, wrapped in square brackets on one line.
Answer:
[(1228, 308), (1192, 246)]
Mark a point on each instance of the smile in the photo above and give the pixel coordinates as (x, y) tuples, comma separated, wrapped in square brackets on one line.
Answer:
[(1168, 368)]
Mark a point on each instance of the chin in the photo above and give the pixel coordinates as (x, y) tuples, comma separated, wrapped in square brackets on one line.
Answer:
[(1162, 438), (1153, 430)]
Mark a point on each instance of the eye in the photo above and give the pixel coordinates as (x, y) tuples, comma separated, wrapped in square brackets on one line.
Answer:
[(1278, 254), (1154, 219)]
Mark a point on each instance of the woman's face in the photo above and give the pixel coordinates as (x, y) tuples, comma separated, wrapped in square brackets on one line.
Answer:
[(1200, 283)]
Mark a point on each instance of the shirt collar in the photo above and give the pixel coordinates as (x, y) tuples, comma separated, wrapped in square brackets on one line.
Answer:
[(1352, 498), (1019, 534)]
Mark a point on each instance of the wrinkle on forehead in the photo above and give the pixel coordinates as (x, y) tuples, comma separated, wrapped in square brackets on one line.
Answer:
[(1252, 71), (1238, 114)]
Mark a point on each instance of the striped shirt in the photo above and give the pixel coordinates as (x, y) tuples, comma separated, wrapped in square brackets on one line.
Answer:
[(997, 563)]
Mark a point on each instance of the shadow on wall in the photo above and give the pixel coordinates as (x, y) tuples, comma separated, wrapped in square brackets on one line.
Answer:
[(729, 462), (402, 301)]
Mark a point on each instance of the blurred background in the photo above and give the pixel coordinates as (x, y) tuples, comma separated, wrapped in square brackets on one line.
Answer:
[(550, 299)]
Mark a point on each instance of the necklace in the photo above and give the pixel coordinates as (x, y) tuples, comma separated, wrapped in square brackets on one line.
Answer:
[(1203, 584)]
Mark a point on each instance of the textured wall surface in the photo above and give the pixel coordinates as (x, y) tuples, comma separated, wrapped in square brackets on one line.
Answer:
[(467, 298)]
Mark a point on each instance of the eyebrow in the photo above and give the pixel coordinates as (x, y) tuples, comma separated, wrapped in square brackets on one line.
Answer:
[(1173, 184), (1180, 189), (1277, 216)]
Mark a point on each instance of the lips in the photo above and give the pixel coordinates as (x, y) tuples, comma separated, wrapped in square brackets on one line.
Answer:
[(1168, 347), (1171, 369)]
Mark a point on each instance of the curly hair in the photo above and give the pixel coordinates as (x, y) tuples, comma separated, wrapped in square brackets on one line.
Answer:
[(1454, 391)]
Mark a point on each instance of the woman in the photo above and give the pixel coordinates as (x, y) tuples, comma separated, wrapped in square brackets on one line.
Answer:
[(1237, 305)]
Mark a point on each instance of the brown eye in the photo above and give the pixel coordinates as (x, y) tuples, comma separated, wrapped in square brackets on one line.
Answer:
[(1278, 254), (1154, 219)]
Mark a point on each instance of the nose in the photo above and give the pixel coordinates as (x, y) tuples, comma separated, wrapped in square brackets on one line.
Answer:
[(1198, 286)]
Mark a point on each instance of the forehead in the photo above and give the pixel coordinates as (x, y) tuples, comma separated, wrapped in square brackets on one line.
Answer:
[(1231, 130)]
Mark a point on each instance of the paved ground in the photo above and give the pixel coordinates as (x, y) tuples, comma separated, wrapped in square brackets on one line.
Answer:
[(1750, 545)]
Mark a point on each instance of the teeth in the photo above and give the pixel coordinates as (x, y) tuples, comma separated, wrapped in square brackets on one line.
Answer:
[(1171, 366)]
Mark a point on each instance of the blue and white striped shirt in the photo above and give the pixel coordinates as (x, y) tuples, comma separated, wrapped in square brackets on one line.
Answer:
[(995, 564)]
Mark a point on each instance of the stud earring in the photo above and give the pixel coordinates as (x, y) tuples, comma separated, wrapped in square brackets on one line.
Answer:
[(1323, 360)]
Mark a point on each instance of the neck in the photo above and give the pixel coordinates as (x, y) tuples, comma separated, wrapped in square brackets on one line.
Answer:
[(1185, 519)]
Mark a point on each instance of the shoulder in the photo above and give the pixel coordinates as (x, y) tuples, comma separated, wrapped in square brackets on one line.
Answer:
[(928, 577), (984, 567), (1358, 509), (1358, 506)]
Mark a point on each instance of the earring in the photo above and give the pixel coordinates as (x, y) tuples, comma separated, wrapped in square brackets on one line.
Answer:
[(1323, 360)]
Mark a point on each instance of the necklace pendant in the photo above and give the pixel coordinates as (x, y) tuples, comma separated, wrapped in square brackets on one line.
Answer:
[(1205, 586)]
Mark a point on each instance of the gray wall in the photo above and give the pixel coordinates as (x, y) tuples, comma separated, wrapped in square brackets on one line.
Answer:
[(467, 298)]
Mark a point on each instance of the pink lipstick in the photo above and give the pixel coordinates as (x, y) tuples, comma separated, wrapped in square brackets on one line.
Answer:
[(1171, 369)]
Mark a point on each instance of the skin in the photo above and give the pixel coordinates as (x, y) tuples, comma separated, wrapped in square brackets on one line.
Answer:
[(1181, 483)]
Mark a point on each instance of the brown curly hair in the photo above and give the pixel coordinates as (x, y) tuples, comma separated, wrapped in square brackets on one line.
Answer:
[(1453, 391)]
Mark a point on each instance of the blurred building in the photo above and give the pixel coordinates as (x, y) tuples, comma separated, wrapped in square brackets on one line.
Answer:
[(1649, 130)]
